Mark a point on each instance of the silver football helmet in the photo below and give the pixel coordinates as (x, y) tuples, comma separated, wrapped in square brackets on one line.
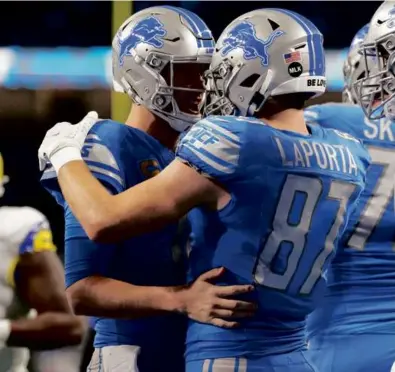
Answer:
[(354, 67), (263, 53), (147, 50), (376, 90)]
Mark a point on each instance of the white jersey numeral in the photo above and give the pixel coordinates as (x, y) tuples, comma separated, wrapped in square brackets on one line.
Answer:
[(297, 234), (380, 199)]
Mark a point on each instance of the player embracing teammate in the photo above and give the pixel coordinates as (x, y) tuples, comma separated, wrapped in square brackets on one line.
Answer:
[(269, 197)]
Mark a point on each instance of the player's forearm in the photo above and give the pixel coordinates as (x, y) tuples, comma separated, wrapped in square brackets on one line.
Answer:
[(46, 332), (89, 201), (105, 297), (110, 218)]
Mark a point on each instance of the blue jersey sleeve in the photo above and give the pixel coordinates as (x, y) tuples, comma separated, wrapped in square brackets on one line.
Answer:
[(103, 153), (212, 148), (103, 160), (83, 257)]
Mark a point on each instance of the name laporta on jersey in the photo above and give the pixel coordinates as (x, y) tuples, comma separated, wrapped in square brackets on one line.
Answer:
[(308, 154)]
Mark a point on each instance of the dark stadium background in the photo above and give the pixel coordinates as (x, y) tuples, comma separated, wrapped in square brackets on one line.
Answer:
[(26, 114)]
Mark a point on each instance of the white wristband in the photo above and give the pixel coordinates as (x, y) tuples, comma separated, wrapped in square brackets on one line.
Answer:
[(5, 330), (63, 156)]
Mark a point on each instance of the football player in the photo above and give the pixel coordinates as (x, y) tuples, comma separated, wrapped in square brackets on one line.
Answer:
[(159, 56), (34, 311), (271, 194), (375, 90), (359, 305)]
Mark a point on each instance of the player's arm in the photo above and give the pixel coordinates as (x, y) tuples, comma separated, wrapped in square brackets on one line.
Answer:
[(91, 293), (202, 301), (39, 283), (145, 207)]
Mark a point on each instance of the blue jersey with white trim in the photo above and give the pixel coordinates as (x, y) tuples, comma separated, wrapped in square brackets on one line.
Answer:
[(361, 278), (121, 157), (291, 195)]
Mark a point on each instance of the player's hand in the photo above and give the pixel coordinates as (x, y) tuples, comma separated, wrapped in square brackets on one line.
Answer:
[(63, 142), (212, 304)]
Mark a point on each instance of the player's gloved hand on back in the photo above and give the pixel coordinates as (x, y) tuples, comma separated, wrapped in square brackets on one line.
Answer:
[(214, 304), (64, 141)]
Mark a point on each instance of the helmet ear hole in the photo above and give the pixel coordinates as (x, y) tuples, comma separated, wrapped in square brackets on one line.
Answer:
[(250, 81), (274, 25), (301, 46)]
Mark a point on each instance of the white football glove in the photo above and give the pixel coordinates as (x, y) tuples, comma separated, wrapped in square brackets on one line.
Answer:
[(63, 142)]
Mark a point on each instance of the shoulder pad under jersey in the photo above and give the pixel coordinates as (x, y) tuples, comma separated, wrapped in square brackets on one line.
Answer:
[(103, 153), (212, 146), (345, 117)]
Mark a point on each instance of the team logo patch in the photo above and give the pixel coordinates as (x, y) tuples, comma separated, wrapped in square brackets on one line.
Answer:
[(292, 57), (244, 36), (149, 31)]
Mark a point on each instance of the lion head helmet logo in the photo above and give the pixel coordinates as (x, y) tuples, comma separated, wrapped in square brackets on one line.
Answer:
[(244, 36), (149, 31)]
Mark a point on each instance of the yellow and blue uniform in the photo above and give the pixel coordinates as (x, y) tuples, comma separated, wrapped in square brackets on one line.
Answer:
[(359, 306), (291, 197), (23, 230)]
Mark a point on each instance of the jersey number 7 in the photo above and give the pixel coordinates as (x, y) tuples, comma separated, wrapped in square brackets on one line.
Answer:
[(380, 199)]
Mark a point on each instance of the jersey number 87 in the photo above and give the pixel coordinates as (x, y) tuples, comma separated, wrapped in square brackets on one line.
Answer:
[(297, 234)]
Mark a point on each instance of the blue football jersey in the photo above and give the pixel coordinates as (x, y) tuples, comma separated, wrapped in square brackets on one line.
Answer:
[(121, 157), (291, 196), (361, 278)]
